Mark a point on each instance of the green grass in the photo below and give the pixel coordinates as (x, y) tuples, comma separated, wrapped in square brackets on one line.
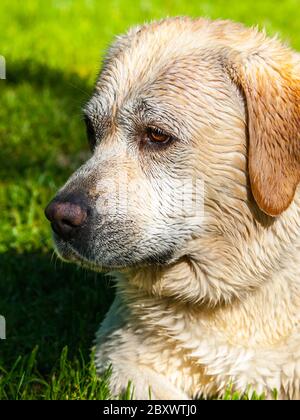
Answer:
[(53, 51)]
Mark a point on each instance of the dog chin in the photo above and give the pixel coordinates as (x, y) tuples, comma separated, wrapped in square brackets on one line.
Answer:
[(70, 254), (66, 253)]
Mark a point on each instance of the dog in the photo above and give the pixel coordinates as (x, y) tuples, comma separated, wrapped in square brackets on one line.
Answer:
[(208, 289)]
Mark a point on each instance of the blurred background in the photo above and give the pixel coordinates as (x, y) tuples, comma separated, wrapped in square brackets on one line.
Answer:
[(53, 51)]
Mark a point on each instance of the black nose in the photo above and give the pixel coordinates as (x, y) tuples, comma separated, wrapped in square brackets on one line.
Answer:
[(67, 216)]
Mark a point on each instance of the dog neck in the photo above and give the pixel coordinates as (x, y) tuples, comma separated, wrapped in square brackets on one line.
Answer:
[(181, 295), (263, 316)]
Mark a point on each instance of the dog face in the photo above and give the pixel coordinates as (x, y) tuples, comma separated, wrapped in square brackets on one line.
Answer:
[(193, 128)]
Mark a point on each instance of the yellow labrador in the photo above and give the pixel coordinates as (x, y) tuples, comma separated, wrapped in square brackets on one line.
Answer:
[(191, 198)]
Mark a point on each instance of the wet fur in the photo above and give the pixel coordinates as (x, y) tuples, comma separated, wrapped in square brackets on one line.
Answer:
[(198, 309)]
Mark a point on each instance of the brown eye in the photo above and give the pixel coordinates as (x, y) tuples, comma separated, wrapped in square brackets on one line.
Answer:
[(155, 135)]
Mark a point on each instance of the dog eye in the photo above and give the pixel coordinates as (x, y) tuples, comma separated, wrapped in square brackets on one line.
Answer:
[(90, 132), (156, 135)]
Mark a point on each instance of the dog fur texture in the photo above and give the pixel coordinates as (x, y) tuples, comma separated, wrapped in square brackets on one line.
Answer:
[(201, 302)]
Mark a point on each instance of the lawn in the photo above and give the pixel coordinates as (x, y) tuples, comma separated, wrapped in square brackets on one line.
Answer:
[(53, 51)]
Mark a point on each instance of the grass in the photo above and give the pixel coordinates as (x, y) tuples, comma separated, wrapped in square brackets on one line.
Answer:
[(53, 51)]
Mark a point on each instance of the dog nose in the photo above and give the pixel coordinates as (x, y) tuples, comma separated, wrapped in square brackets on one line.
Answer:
[(67, 216)]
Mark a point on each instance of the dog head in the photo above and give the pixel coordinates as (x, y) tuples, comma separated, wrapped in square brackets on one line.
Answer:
[(194, 130)]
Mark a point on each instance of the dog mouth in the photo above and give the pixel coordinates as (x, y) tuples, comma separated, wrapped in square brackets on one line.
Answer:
[(69, 253), (106, 243)]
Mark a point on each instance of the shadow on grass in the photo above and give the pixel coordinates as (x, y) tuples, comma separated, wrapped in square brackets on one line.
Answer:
[(40, 76), (41, 126), (49, 305), (46, 303)]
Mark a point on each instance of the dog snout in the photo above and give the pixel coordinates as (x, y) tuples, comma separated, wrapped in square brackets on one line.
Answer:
[(67, 215)]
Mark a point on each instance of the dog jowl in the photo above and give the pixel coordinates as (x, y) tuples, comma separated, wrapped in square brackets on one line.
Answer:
[(191, 197)]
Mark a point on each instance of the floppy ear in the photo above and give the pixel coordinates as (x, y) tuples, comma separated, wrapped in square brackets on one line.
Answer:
[(272, 92)]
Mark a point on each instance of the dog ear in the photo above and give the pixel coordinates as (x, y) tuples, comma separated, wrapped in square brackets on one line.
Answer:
[(272, 92)]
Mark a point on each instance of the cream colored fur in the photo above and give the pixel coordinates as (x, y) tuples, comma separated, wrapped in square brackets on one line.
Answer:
[(228, 311), (224, 308)]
